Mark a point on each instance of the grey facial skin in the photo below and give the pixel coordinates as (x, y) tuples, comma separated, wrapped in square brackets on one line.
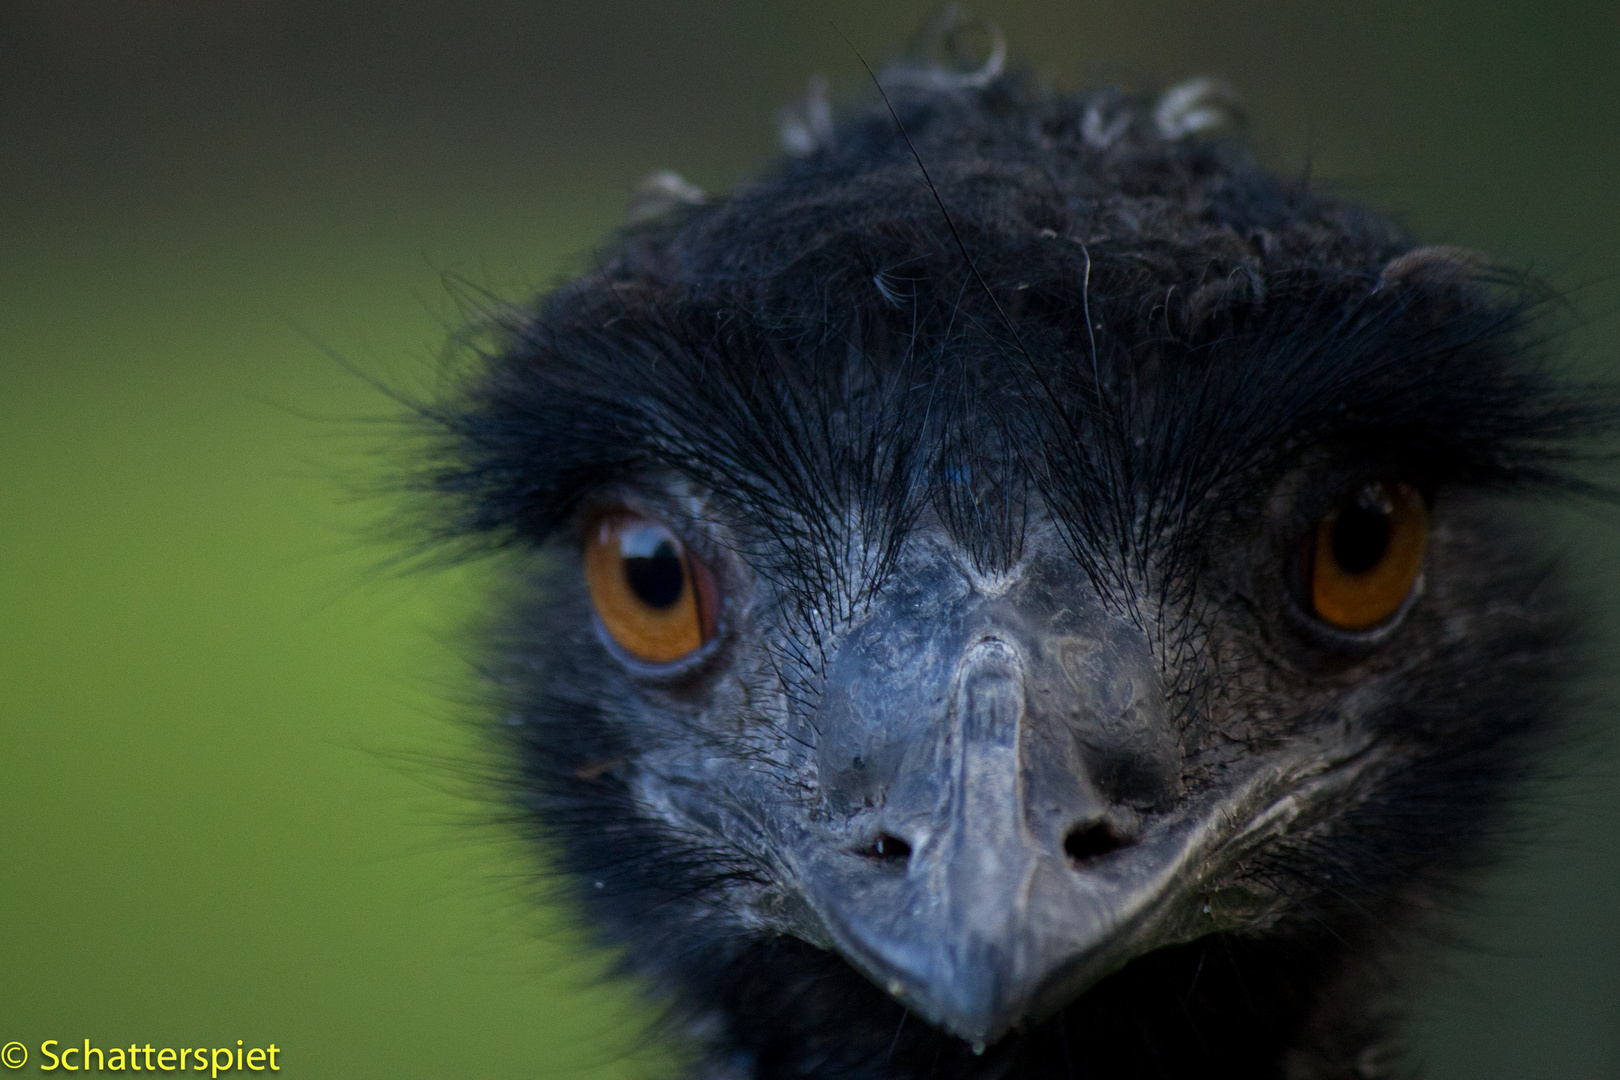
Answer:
[(1010, 807)]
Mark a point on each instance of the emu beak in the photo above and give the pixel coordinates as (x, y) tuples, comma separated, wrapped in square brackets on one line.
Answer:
[(996, 863)]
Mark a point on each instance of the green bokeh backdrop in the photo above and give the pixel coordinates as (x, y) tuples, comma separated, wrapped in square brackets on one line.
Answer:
[(220, 816)]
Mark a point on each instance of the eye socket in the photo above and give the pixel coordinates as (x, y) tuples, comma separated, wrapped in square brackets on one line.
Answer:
[(653, 598), (1364, 557)]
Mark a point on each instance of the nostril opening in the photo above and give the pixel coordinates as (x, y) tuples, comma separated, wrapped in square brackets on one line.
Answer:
[(888, 846), (1087, 842)]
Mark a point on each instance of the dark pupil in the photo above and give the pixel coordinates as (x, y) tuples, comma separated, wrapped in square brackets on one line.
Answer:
[(652, 565), (1360, 538)]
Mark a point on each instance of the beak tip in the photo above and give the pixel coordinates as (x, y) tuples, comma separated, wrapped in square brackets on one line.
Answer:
[(978, 1029), (979, 987), (971, 1006)]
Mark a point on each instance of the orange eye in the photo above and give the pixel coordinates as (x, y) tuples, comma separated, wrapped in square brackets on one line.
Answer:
[(1365, 555), (656, 601)]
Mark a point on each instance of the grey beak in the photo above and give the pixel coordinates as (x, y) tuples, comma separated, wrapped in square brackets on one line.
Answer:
[(996, 762)]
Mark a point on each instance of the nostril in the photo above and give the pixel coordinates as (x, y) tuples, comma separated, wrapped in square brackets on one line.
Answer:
[(887, 846), (1086, 842)]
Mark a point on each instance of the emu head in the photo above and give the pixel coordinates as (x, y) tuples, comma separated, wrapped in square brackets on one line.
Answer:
[(1014, 536)]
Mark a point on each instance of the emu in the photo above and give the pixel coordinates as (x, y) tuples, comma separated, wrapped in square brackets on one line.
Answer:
[(1018, 590)]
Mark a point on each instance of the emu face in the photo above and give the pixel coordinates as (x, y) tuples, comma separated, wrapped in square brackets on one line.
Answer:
[(1086, 583)]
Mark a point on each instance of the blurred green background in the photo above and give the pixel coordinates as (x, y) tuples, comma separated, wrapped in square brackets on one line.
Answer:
[(219, 817)]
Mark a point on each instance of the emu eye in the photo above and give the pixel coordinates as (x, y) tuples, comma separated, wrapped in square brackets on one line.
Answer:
[(1364, 556), (655, 600)]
